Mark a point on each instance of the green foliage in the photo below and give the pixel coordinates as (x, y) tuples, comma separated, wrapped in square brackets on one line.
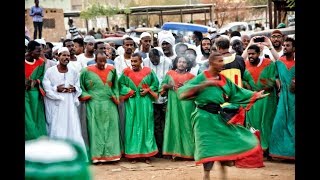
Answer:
[(98, 10)]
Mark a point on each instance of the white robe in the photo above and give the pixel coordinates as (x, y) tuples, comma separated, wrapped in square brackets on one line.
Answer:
[(61, 108)]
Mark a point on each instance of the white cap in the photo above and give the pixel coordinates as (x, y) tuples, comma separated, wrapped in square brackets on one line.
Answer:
[(235, 38), (41, 41), (89, 38), (55, 48), (145, 34), (62, 49)]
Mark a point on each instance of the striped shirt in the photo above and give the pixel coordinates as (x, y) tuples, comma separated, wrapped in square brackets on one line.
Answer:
[(34, 13), (74, 32)]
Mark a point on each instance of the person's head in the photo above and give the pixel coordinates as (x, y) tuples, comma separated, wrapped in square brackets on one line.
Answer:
[(197, 37), (26, 42), (48, 50), (70, 22), (205, 46), (289, 46), (222, 44), (235, 33), (182, 64), (114, 53), (89, 42), (100, 59), (245, 40), (181, 49), (112, 44), (128, 45), (55, 52), (216, 64), (192, 55), (63, 56), (166, 41), (99, 46), (70, 45), (136, 61), (145, 41), (108, 50), (78, 46), (253, 54), (276, 38), (154, 56), (36, 2), (34, 49), (236, 45)]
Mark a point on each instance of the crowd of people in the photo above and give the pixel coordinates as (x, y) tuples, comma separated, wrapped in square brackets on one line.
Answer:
[(225, 98)]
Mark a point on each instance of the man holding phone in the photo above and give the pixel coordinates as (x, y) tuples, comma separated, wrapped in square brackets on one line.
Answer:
[(266, 48)]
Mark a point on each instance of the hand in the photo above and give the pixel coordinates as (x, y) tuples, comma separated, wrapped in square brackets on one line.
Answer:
[(167, 86), (261, 95), (267, 42), (178, 85), (71, 89), (61, 88), (293, 86), (144, 91)]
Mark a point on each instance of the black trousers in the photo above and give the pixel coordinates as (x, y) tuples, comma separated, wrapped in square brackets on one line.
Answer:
[(159, 111), (37, 27)]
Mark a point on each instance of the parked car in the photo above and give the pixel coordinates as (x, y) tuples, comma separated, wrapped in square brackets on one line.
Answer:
[(235, 26)]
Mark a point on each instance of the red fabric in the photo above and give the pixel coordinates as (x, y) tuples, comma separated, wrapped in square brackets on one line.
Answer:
[(288, 62), (254, 160), (256, 71), (137, 76), (29, 68), (103, 74)]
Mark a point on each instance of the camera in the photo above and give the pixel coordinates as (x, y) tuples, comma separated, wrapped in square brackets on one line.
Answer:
[(259, 39)]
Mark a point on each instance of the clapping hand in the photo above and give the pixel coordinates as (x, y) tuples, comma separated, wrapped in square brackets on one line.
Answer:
[(261, 95)]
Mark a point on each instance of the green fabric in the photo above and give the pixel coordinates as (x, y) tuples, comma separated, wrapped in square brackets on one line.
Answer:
[(261, 114), (76, 169), (283, 131), (214, 138), (35, 120), (178, 136), (139, 123), (102, 114)]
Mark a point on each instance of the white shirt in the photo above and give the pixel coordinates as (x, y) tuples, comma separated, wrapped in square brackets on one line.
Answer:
[(161, 70), (84, 60), (120, 64)]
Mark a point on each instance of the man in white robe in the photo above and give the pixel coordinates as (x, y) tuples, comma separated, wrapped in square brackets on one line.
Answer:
[(62, 87)]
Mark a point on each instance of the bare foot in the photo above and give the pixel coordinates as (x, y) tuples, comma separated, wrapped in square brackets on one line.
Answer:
[(223, 172), (148, 160), (206, 175)]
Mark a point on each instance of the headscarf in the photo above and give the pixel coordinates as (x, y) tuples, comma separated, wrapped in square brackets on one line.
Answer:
[(166, 36)]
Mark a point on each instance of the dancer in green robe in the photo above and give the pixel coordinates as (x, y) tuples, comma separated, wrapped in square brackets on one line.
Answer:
[(138, 87), (178, 138), (260, 74), (99, 84), (215, 138), (35, 121), (282, 140)]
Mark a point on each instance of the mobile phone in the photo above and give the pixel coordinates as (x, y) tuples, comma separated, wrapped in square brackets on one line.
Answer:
[(259, 39)]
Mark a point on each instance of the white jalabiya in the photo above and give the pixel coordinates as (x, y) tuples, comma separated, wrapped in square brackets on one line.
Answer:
[(61, 108)]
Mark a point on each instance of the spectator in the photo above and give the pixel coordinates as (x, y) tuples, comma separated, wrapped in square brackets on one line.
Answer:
[(37, 17)]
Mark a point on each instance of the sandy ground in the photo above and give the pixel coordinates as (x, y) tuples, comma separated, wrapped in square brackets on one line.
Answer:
[(163, 169)]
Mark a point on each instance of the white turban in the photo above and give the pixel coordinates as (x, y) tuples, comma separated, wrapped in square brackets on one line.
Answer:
[(145, 34), (26, 42), (166, 36), (41, 41), (235, 38), (62, 49)]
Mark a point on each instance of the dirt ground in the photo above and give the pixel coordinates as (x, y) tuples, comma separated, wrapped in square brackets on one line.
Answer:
[(163, 169)]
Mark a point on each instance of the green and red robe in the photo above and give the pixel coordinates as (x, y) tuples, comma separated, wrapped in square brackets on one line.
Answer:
[(282, 140), (178, 136), (35, 119), (101, 93), (139, 124), (215, 138), (261, 114)]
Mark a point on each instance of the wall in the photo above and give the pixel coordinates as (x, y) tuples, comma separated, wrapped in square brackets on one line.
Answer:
[(53, 27), (58, 4)]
